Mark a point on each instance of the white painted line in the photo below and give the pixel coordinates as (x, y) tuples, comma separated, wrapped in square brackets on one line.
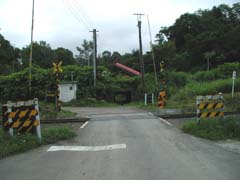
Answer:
[(84, 125), (166, 122), (124, 119), (113, 115), (151, 114), (87, 148)]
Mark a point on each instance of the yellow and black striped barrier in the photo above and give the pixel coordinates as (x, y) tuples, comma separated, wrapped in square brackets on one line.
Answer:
[(57, 70), (162, 99), (21, 117), (209, 106)]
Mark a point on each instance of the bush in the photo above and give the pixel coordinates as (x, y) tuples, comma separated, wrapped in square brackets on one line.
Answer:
[(214, 129), (205, 76), (15, 86), (223, 71), (193, 89), (177, 79)]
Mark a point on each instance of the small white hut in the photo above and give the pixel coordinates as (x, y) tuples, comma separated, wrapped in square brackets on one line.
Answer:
[(68, 91)]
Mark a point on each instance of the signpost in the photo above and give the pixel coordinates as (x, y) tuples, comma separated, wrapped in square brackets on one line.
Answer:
[(163, 90), (233, 77), (22, 117), (57, 70)]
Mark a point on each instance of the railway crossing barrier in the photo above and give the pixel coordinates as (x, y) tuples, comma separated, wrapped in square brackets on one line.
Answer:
[(162, 99), (22, 117), (209, 106)]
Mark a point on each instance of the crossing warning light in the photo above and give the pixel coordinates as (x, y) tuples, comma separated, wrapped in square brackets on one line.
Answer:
[(57, 67)]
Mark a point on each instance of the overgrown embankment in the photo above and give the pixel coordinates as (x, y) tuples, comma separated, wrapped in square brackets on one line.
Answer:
[(214, 129)]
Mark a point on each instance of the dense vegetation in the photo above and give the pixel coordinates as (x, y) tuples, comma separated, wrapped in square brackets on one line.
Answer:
[(214, 129), (196, 42), (15, 144)]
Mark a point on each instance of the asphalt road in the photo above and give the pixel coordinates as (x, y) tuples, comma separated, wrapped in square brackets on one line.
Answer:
[(154, 151)]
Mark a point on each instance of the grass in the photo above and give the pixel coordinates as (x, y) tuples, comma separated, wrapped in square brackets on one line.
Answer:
[(21, 143), (189, 104), (214, 129), (48, 111), (90, 102), (193, 89), (141, 105)]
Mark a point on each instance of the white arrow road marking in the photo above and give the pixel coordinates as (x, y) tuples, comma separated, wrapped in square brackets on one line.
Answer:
[(87, 148), (84, 125)]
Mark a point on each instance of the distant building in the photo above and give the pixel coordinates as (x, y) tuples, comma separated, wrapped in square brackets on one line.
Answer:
[(68, 91)]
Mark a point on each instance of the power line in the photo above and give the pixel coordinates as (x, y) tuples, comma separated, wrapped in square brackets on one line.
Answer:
[(75, 14), (71, 7), (77, 11), (153, 55), (83, 13)]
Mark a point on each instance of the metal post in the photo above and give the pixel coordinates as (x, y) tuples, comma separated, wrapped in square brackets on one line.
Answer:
[(233, 88), (145, 99), (9, 107), (31, 48), (233, 77), (152, 98), (94, 31), (38, 128)]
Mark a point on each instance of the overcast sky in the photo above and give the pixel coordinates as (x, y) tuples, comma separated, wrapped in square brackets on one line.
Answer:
[(65, 23)]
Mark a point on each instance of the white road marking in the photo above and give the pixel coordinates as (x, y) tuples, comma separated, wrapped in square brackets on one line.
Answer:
[(151, 114), (84, 125), (166, 122), (112, 115), (87, 148)]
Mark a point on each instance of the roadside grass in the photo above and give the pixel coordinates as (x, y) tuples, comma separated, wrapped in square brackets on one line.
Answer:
[(48, 111), (141, 105), (214, 129), (194, 88), (189, 102), (90, 102), (21, 143)]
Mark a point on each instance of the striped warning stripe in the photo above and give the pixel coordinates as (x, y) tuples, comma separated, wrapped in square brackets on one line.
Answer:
[(210, 114), (22, 118), (202, 106)]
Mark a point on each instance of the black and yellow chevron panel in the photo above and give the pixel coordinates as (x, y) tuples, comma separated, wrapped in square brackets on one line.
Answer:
[(23, 118), (162, 99), (210, 114), (210, 105)]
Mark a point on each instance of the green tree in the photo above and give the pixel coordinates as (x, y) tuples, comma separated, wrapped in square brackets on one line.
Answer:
[(193, 34), (9, 56), (85, 53), (105, 58), (64, 55), (43, 54)]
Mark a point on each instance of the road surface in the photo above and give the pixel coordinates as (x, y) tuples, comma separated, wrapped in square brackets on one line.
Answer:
[(146, 149)]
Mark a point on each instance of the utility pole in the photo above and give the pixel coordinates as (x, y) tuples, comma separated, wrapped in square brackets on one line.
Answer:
[(153, 56), (31, 48), (140, 48), (94, 31)]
